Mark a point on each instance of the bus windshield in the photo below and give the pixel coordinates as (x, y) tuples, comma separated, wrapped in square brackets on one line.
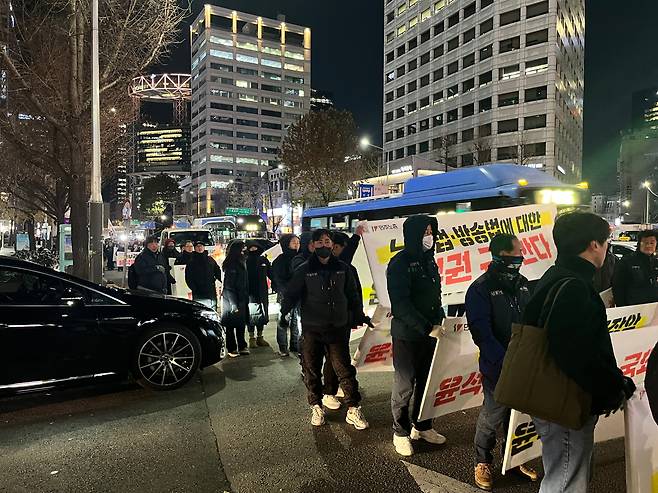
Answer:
[(180, 237)]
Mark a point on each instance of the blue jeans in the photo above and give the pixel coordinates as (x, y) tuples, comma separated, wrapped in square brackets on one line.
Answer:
[(492, 417), (282, 333), (567, 456)]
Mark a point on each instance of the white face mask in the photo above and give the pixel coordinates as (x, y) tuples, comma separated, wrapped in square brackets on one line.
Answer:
[(428, 243)]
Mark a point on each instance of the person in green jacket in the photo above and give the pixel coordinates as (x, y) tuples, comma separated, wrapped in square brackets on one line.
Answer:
[(414, 288)]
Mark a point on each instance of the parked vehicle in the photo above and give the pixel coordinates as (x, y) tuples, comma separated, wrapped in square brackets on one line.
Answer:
[(621, 248), (56, 328), (181, 235)]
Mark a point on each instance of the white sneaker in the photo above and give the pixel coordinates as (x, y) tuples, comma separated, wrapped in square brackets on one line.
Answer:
[(317, 416), (330, 402), (355, 417), (403, 446), (340, 393), (431, 436)]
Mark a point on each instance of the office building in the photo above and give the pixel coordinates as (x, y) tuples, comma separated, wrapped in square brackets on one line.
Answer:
[(473, 81), (250, 81), (644, 108), (321, 100)]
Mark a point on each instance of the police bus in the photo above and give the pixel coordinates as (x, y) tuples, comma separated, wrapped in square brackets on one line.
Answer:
[(227, 228), (490, 186)]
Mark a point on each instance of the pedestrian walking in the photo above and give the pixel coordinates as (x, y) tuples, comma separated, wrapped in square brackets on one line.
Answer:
[(327, 293), (281, 274), (414, 288), (200, 275), (235, 298), (259, 271), (579, 344), (494, 302), (150, 267), (635, 280), (186, 254)]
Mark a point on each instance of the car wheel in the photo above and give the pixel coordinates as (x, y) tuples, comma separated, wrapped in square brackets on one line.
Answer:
[(166, 358)]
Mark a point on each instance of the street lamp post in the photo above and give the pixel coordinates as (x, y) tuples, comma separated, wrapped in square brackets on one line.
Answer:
[(365, 143), (96, 199), (647, 184)]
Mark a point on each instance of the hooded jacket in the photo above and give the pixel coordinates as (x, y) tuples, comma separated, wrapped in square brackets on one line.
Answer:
[(414, 284), (200, 275), (282, 265), (493, 304), (304, 254), (635, 280), (328, 297), (152, 271), (578, 338), (258, 271)]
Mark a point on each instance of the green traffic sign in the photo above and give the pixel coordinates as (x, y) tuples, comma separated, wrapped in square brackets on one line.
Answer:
[(238, 211)]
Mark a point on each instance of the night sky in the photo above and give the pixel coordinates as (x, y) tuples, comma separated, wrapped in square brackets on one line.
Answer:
[(347, 58)]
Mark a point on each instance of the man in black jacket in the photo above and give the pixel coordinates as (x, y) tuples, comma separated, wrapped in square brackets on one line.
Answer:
[(151, 267), (579, 343), (635, 280), (186, 254), (494, 302), (414, 287), (200, 275), (281, 275), (326, 289)]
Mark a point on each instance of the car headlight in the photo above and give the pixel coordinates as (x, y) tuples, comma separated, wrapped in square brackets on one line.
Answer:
[(210, 315)]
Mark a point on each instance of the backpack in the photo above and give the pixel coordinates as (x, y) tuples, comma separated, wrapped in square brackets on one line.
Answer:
[(133, 280)]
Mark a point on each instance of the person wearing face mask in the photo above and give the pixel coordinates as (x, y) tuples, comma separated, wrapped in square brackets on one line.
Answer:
[(326, 290), (200, 275), (635, 280), (258, 271), (414, 288), (235, 298), (281, 274), (494, 302)]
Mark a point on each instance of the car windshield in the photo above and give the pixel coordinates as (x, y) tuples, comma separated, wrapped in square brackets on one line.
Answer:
[(180, 237)]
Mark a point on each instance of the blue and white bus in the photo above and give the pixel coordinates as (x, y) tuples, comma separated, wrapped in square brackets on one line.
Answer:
[(476, 188)]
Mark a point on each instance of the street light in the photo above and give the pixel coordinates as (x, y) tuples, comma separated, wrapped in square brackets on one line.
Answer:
[(96, 198), (626, 203), (647, 184), (365, 143)]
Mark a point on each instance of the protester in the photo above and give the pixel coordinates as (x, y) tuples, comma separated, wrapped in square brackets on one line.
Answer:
[(603, 276), (305, 250), (494, 302), (258, 271), (150, 268), (200, 275), (235, 298), (327, 292), (281, 274), (414, 288), (344, 249), (187, 253), (579, 343), (635, 280)]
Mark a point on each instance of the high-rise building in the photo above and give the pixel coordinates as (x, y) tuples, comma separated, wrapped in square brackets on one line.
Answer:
[(474, 81), (644, 108), (250, 81), (321, 100)]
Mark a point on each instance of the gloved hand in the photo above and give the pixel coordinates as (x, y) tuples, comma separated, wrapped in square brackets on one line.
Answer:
[(368, 321), (284, 321), (629, 387)]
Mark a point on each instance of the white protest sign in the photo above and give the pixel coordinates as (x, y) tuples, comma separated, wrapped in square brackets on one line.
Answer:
[(462, 248), (632, 349), (121, 259), (641, 445), (375, 351), (180, 289)]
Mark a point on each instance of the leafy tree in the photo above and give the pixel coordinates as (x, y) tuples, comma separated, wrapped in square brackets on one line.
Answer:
[(157, 192), (322, 157)]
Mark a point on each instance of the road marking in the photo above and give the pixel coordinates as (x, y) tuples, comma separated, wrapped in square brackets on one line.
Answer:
[(433, 482)]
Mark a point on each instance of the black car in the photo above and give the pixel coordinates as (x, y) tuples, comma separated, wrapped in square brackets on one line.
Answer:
[(56, 328)]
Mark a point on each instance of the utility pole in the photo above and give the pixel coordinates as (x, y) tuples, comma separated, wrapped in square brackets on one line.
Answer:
[(96, 199)]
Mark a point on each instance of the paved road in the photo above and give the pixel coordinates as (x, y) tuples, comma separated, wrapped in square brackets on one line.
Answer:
[(241, 426)]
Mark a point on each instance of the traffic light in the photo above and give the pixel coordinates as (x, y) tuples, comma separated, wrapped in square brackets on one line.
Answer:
[(168, 216)]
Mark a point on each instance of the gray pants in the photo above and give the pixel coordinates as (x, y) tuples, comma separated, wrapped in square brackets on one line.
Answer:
[(492, 416), (412, 361), (567, 456)]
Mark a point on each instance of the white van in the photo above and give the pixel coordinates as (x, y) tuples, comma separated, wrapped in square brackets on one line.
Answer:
[(181, 235)]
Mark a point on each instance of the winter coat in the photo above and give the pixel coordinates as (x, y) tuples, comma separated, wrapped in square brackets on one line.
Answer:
[(235, 295), (282, 265), (414, 284), (635, 280), (304, 254), (184, 258), (152, 271), (329, 299), (493, 304), (578, 338), (200, 275), (651, 382), (258, 271)]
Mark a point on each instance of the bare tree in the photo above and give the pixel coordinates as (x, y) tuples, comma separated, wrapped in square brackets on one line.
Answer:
[(481, 149), (47, 58), (321, 156), (522, 153)]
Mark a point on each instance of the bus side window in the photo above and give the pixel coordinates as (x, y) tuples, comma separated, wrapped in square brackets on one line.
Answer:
[(319, 222)]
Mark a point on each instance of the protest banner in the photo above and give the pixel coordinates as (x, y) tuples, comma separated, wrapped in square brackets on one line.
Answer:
[(180, 289), (641, 445), (375, 351), (632, 348), (462, 247), (121, 259)]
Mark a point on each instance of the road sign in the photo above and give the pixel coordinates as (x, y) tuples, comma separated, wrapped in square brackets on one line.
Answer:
[(238, 211), (366, 190)]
